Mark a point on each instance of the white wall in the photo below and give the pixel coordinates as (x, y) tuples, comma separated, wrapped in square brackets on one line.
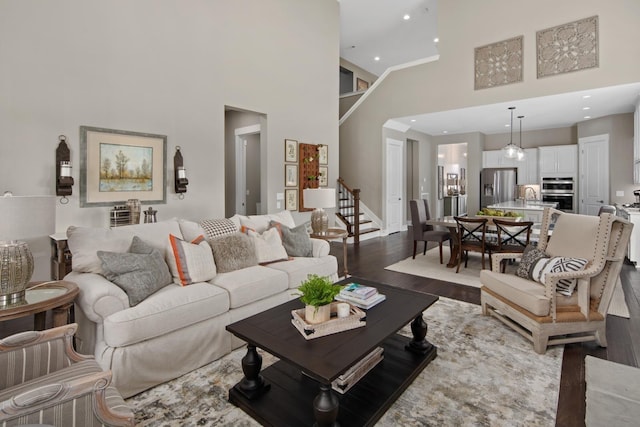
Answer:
[(166, 67)]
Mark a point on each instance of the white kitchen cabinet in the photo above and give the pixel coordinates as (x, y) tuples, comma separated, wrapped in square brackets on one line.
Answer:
[(528, 168), (496, 159), (558, 161), (633, 215)]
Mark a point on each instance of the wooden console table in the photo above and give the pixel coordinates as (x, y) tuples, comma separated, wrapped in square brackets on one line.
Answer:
[(336, 233)]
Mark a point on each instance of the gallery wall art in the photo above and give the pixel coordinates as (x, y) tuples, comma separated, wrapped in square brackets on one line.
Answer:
[(498, 63)]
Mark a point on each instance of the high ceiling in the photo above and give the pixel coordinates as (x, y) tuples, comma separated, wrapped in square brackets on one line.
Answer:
[(371, 28)]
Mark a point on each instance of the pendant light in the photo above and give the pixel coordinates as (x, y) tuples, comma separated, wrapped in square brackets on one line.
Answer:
[(520, 153), (510, 150)]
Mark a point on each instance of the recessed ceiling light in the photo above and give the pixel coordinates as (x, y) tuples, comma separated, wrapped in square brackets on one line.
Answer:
[(436, 40), (413, 120), (441, 156), (377, 58), (586, 108), (586, 96), (507, 125), (406, 17), (587, 117), (445, 131)]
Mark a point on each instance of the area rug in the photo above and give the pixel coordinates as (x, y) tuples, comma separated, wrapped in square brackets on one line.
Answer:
[(429, 266), (483, 376)]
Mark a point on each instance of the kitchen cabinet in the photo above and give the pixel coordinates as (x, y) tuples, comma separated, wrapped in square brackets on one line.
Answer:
[(633, 215), (496, 159), (560, 161), (527, 169), (455, 205)]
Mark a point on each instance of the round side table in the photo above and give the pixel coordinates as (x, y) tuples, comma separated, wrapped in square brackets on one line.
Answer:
[(56, 296), (336, 233)]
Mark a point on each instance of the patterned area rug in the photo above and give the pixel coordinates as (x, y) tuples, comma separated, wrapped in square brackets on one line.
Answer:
[(429, 266), (485, 375)]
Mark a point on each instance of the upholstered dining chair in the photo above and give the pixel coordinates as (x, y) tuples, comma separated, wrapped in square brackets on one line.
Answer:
[(471, 237), (607, 209), (423, 232), (512, 237), (44, 381), (562, 289)]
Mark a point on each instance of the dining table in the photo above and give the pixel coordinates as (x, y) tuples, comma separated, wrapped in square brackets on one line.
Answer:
[(450, 223)]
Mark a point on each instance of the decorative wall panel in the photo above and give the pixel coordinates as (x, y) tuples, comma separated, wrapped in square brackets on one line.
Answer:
[(498, 63), (568, 47)]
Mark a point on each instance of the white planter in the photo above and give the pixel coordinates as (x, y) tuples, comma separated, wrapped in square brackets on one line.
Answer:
[(320, 314)]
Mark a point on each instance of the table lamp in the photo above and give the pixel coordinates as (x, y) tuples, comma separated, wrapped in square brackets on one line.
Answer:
[(26, 223), (319, 198)]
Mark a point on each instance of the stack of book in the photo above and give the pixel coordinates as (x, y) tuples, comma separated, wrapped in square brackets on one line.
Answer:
[(360, 295)]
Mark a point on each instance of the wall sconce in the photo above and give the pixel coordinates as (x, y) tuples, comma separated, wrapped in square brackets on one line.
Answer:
[(180, 174), (64, 180)]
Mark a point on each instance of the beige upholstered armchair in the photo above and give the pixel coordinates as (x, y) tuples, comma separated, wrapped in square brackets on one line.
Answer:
[(43, 380), (546, 311)]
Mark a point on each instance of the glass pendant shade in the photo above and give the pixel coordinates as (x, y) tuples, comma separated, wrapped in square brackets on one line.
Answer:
[(510, 150), (520, 153)]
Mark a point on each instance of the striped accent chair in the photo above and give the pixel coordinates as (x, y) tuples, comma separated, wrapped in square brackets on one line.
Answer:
[(44, 381)]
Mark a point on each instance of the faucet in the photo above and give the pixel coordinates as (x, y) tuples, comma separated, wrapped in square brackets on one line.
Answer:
[(535, 196)]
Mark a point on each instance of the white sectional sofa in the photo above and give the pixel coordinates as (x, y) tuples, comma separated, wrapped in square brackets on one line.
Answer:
[(177, 328)]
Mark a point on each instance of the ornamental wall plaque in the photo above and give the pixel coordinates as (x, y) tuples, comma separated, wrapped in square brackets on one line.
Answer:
[(498, 63), (568, 47)]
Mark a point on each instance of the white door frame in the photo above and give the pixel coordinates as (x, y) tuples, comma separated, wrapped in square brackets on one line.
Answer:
[(391, 171), (241, 165), (602, 170)]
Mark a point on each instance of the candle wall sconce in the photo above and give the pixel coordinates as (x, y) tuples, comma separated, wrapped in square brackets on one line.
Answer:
[(180, 174), (64, 180)]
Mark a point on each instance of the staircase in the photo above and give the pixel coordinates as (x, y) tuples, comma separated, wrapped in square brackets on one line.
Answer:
[(349, 212)]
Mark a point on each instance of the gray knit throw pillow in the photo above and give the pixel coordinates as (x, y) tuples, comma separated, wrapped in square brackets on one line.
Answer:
[(233, 252)]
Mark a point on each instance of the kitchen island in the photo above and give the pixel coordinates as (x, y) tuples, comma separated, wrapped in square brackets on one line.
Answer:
[(530, 210)]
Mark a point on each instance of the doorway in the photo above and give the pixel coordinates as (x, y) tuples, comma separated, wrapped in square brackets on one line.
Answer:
[(593, 170), (395, 176), (248, 170)]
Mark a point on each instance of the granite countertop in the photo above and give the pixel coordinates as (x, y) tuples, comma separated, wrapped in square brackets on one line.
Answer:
[(629, 209), (532, 205)]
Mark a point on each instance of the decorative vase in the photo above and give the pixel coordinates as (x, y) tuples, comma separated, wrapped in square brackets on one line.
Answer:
[(313, 314), (16, 269)]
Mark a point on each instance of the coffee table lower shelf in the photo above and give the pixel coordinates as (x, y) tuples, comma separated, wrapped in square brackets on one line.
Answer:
[(289, 402)]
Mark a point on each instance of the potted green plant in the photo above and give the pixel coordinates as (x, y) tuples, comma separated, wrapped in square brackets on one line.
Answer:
[(317, 293)]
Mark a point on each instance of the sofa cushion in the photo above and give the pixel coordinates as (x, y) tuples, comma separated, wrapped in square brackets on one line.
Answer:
[(190, 261), (268, 246), (233, 252), (218, 227), (296, 241), (260, 223), (139, 272), (526, 293), (300, 267), (251, 284), (85, 242), (171, 308), (536, 264)]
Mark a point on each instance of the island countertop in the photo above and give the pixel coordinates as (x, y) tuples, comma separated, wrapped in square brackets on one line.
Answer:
[(532, 205)]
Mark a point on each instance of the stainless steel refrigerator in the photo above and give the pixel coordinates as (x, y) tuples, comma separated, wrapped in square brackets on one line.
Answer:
[(497, 185)]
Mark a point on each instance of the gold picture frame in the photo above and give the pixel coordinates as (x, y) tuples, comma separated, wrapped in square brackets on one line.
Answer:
[(117, 165), (290, 150)]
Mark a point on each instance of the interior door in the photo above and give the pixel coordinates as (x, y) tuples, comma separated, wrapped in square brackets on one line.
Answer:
[(395, 176), (593, 171)]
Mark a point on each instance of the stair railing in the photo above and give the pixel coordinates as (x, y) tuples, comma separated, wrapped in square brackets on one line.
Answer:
[(349, 207)]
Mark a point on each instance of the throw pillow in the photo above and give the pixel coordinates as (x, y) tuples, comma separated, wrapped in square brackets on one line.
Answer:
[(139, 272), (218, 227), (296, 241), (530, 257), (268, 246), (190, 262), (233, 252), (559, 265)]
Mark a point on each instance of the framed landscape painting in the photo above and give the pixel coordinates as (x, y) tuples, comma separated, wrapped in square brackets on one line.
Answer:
[(118, 165)]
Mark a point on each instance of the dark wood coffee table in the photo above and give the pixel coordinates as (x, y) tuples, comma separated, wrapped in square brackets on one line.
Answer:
[(286, 393)]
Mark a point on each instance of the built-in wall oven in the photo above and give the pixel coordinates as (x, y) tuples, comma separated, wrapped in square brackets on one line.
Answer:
[(559, 190)]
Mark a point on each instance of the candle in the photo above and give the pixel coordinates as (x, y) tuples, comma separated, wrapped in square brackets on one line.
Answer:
[(182, 172), (65, 168), (343, 309)]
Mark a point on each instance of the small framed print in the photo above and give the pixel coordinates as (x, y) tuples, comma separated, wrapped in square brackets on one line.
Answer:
[(290, 175), (323, 154), (291, 199), (323, 176), (361, 84), (290, 150)]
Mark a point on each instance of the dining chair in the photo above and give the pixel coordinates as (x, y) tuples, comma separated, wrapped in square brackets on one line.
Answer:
[(607, 209), (423, 232), (471, 237), (512, 237)]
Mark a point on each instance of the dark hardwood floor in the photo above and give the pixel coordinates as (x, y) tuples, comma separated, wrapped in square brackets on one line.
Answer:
[(623, 335)]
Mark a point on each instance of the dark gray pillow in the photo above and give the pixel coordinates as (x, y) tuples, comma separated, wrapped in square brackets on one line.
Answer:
[(140, 272), (296, 241), (530, 257), (233, 252)]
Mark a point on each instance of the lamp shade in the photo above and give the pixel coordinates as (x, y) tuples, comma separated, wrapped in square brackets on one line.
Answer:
[(319, 198)]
